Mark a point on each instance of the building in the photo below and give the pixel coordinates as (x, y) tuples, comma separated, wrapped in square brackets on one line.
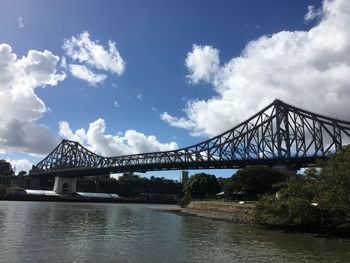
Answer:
[(184, 177), (5, 168)]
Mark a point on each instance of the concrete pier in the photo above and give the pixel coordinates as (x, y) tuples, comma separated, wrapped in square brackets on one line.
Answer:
[(65, 185)]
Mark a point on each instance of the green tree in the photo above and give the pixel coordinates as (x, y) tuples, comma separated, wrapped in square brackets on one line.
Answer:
[(291, 205), (200, 185), (254, 181), (184, 200), (321, 197), (131, 185), (333, 195)]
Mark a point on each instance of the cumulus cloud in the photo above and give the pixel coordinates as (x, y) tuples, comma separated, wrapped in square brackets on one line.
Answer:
[(98, 141), (66, 132), (93, 55), (203, 63), (20, 107), (309, 69), (82, 72)]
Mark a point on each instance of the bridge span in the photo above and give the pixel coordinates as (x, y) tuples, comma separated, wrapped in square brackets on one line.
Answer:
[(279, 134)]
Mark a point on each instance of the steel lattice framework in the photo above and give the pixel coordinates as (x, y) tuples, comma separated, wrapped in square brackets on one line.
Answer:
[(280, 134)]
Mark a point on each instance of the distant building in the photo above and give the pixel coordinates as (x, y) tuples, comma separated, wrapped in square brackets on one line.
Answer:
[(184, 177), (5, 168)]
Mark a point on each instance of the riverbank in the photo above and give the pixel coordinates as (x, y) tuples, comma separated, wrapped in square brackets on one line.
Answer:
[(239, 213), (243, 214)]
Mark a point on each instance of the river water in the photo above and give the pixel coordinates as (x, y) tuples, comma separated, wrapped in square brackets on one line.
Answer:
[(82, 232)]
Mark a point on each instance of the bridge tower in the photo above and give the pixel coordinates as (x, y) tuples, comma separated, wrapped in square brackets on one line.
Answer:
[(65, 185), (184, 177)]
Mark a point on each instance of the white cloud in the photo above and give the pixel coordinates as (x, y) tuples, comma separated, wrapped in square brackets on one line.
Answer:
[(21, 165), (202, 62), (89, 52), (112, 145), (312, 13), (82, 72), (20, 22), (309, 69), (20, 107), (65, 132), (139, 96), (176, 122)]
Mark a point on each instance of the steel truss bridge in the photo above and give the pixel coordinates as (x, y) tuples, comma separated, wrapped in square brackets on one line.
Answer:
[(279, 134)]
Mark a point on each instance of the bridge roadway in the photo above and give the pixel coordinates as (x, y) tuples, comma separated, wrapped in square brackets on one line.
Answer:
[(293, 163), (279, 134)]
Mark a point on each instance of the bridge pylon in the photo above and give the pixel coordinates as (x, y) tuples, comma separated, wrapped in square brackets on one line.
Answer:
[(65, 185)]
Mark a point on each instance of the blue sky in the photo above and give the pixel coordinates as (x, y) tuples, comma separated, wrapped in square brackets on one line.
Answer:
[(180, 71)]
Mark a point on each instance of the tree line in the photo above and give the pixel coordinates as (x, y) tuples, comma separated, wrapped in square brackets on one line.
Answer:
[(319, 197), (130, 185)]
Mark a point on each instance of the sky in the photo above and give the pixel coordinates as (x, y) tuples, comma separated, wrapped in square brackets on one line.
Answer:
[(125, 77)]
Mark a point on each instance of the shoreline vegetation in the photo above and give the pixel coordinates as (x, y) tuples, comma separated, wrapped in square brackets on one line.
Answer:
[(244, 213), (316, 202)]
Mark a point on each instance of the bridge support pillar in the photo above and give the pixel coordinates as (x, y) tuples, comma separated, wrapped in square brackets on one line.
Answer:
[(65, 185)]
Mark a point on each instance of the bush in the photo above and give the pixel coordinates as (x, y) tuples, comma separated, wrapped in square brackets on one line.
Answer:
[(184, 200), (317, 198)]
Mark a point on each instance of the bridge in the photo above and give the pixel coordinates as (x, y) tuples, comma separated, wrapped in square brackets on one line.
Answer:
[(278, 135)]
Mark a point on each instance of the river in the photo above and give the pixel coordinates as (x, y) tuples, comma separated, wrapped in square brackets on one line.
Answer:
[(83, 232)]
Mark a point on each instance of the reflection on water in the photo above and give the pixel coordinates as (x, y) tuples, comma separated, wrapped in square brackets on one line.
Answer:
[(77, 232)]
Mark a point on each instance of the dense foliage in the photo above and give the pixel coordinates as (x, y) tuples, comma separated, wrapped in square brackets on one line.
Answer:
[(184, 200), (201, 185), (253, 181), (131, 185), (319, 198)]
